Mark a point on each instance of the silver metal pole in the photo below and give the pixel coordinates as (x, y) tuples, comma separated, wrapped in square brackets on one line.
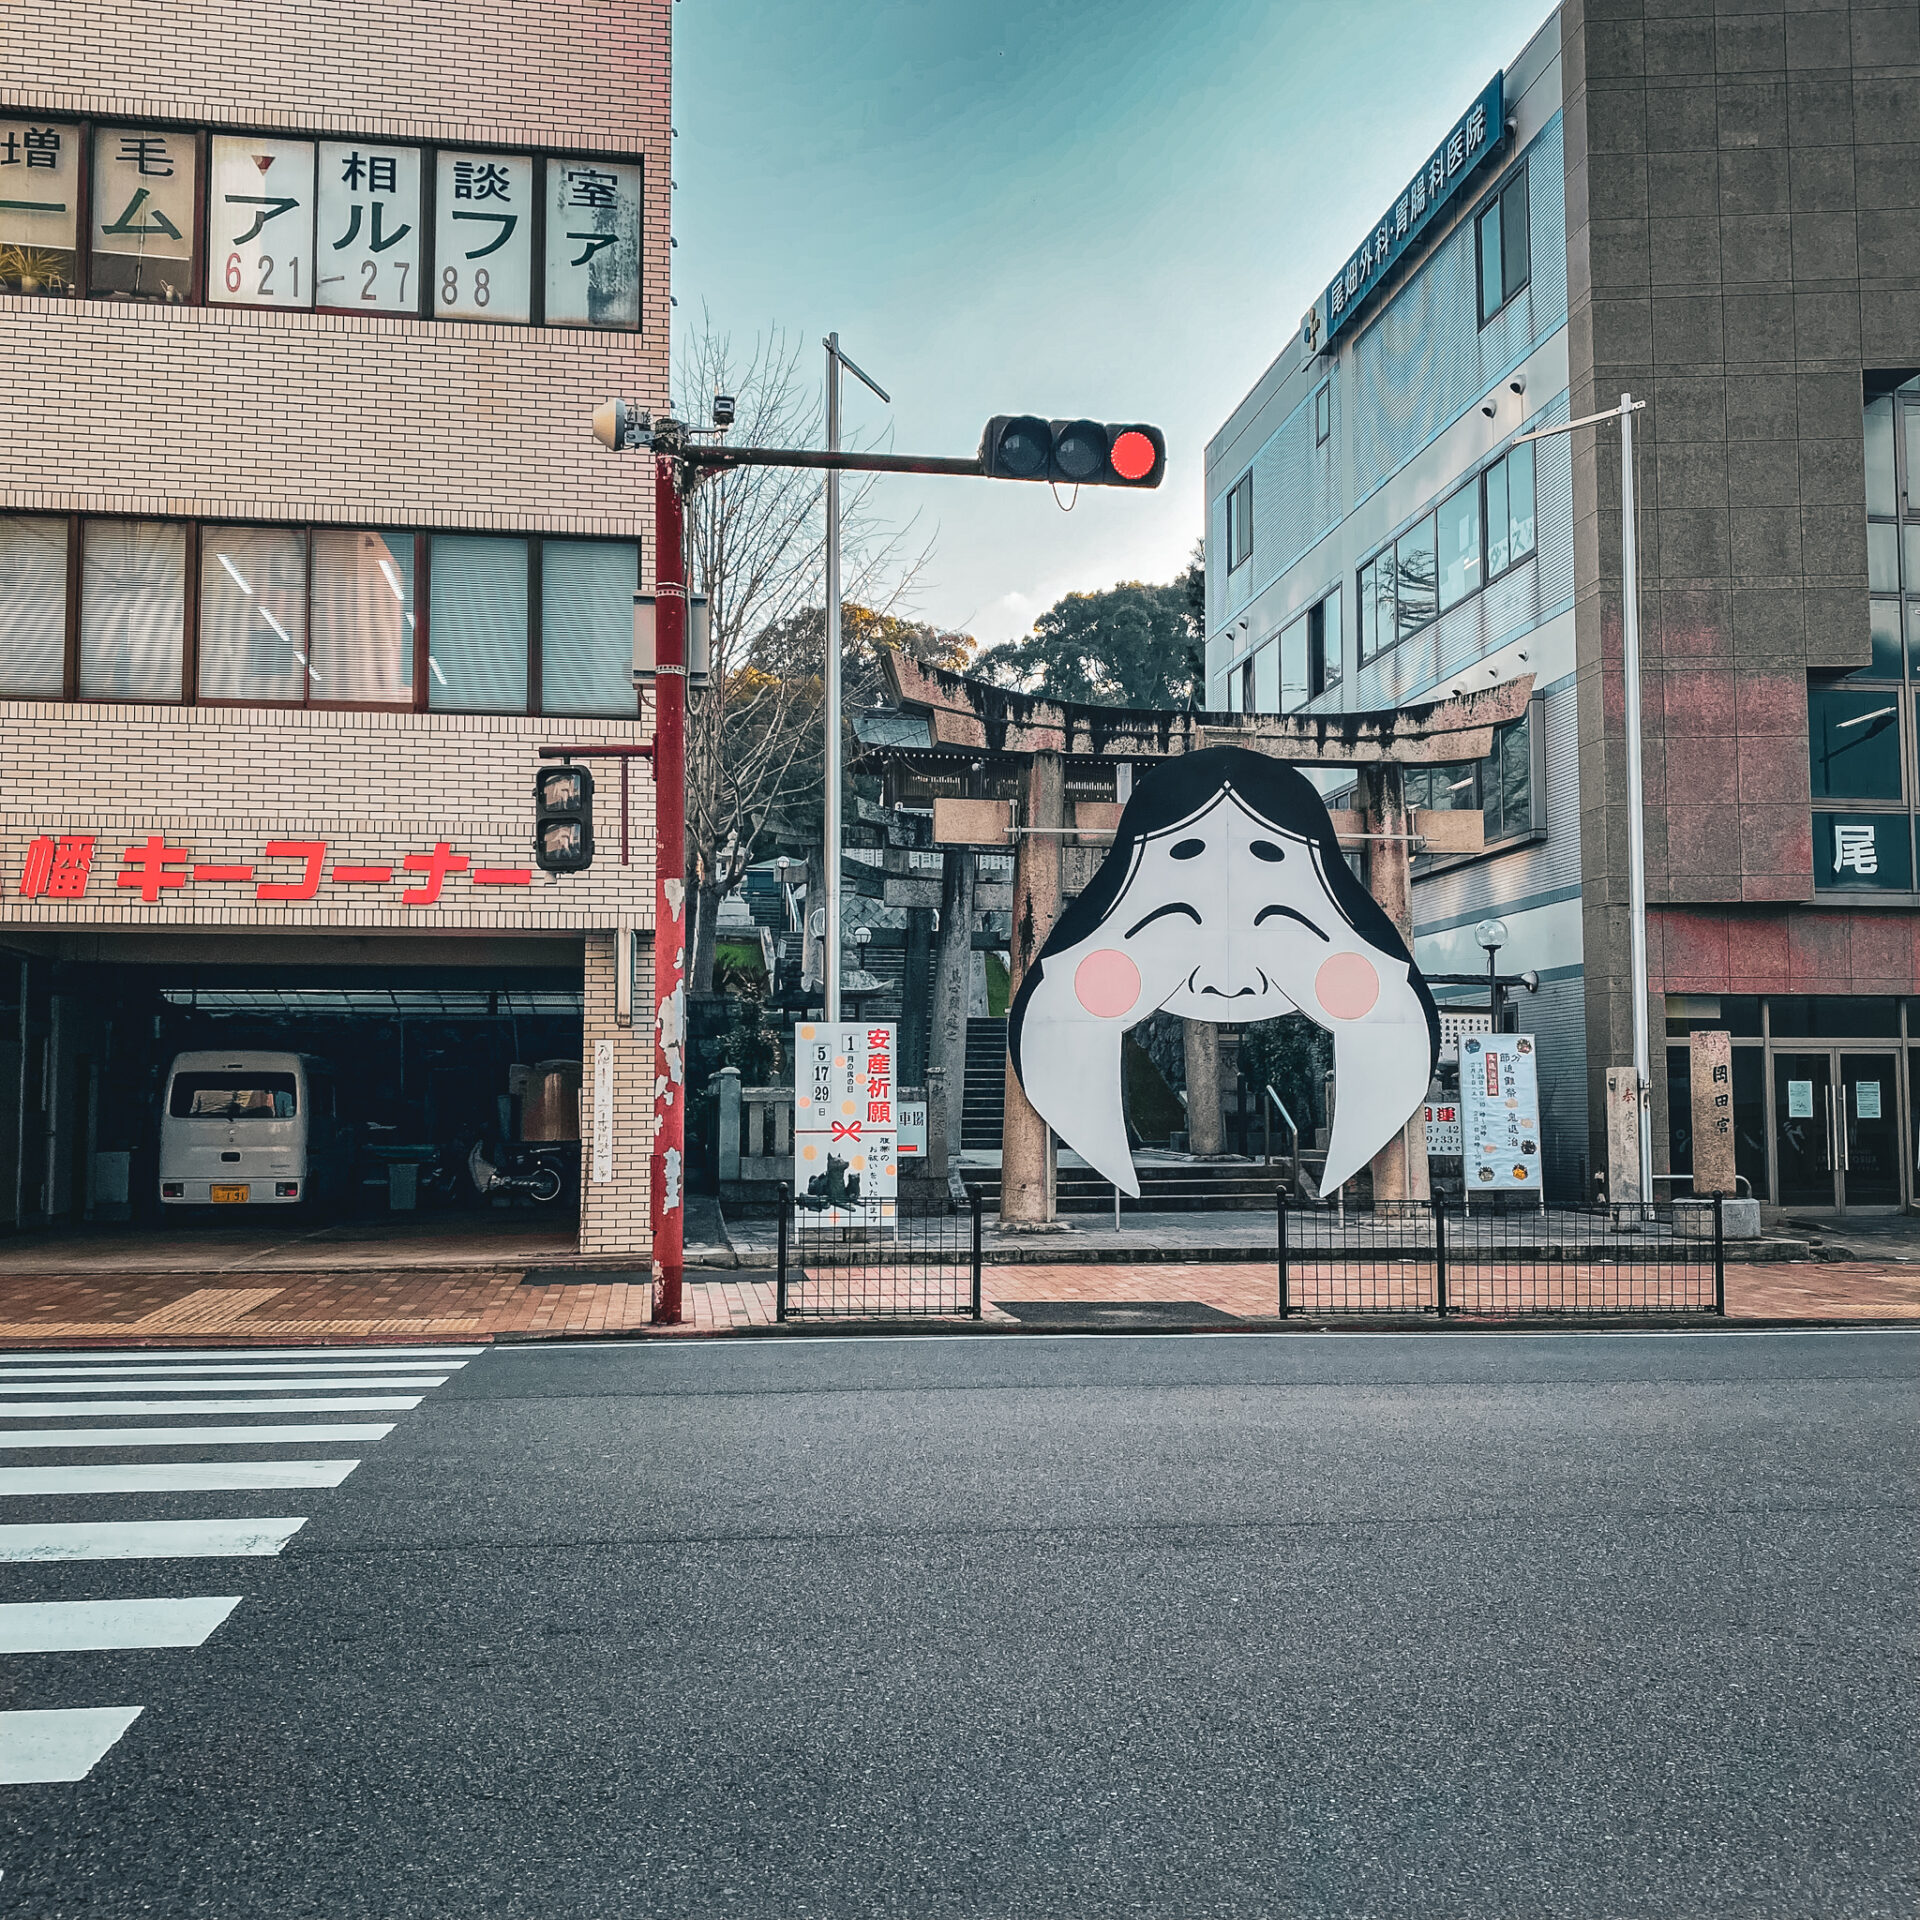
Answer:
[(830, 854), (1636, 793)]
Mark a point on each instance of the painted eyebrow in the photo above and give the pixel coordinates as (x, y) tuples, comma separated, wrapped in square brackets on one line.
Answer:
[(1172, 906), (1284, 913)]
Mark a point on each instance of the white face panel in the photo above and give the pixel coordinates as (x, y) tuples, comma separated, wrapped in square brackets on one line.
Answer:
[(1224, 917)]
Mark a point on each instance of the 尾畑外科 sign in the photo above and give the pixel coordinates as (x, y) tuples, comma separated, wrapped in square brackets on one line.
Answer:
[(1473, 139)]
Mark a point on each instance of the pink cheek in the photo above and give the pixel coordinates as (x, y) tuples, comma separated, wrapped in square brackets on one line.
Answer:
[(1107, 984), (1347, 986)]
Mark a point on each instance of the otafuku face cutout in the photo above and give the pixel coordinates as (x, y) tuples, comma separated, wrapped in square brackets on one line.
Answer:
[(1224, 898)]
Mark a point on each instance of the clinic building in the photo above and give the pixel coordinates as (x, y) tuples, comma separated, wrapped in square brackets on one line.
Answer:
[(1719, 213), (306, 551)]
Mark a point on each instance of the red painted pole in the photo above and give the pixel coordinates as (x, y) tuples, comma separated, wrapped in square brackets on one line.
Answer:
[(668, 1212)]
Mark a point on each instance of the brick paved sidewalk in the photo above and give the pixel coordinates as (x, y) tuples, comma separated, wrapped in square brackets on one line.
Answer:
[(341, 1308)]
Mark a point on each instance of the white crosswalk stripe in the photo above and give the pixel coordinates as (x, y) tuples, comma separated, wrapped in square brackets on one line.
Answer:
[(204, 1390), (97, 1409), (97, 1626), (261, 1436), (193, 1369), (318, 1385), (176, 1476), (61, 1744), (122, 1356)]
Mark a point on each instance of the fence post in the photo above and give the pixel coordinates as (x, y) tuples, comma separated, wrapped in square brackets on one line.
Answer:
[(1440, 1256), (1280, 1207), (1719, 1257), (780, 1267), (973, 1206)]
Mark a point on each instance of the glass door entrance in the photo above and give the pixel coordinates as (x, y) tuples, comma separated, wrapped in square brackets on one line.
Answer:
[(1836, 1129)]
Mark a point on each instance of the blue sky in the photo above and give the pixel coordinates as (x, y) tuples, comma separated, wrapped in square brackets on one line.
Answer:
[(1061, 207)]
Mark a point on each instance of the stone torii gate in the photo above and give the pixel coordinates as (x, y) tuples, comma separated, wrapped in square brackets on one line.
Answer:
[(970, 721)]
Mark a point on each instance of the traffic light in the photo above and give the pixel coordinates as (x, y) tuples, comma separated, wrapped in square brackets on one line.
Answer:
[(1078, 453), (563, 819)]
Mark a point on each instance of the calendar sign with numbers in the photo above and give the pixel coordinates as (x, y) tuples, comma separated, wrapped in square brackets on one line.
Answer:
[(845, 1123), (1500, 1112), (367, 253), (483, 236), (260, 222)]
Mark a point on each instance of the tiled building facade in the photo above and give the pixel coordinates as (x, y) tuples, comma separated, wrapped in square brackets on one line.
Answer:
[(1725, 205), (278, 577)]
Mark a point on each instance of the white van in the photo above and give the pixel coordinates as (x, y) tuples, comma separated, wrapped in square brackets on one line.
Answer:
[(248, 1129)]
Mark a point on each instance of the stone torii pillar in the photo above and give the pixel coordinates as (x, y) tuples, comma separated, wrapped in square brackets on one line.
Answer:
[(1029, 1160)]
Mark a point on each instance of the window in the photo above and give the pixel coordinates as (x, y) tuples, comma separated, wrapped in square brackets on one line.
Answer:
[(133, 609), (477, 625), (320, 617), (362, 621), (1232, 695), (1323, 646), (1501, 787), (1293, 666), (1460, 546), (1376, 606), (1322, 413), (1506, 255), (1240, 521), (586, 626), (1413, 578), (1481, 532), (233, 1096), (33, 607), (1266, 680), (253, 614), (177, 216), (1853, 743)]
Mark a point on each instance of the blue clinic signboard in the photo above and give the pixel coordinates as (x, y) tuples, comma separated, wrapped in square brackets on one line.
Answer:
[(1475, 137)]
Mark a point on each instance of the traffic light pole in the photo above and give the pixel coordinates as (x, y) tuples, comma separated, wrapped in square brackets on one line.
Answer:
[(668, 1208)]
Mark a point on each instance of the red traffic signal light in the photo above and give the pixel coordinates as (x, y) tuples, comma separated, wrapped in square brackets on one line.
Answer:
[(1077, 453)]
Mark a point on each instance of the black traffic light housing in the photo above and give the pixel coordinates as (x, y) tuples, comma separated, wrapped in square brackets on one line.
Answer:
[(563, 818), (1076, 453)]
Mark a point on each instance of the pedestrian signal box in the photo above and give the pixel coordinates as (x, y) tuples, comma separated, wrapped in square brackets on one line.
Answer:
[(563, 819), (1079, 453)]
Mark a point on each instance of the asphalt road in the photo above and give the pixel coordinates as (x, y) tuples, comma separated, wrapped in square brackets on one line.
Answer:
[(1399, 1626)]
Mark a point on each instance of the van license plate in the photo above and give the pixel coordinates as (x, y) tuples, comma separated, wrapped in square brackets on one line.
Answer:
[(230, 1193)]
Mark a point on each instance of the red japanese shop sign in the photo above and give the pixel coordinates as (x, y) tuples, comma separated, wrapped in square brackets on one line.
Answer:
[(60, 866)]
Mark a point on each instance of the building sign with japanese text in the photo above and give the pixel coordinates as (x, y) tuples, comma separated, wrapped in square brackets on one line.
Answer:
[(1474, 139), (367, 256), (845, 1124), (1500, 1112), (1443, 1128), (59, 865), (593, 244), (1711, 1072), (483, 236), (39, 207), (1863, 852), (143, 189), (260, 222)]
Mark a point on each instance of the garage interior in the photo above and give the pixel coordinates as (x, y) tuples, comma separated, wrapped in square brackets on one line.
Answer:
[(435, 1044)]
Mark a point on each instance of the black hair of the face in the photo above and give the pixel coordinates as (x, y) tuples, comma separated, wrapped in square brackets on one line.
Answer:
[(1177, 791)]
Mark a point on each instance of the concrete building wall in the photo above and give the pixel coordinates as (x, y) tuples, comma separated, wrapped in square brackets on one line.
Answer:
[(1743, 210)]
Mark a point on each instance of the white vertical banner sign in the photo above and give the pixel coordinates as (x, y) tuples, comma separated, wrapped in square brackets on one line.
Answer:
[(260, 222), (602, 1112), (483, 236), (1500, 1112), (367, 255), (845, 1123)]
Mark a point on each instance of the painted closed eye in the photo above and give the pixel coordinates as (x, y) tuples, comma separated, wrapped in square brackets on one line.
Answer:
[(1277, 912), (1160, 913), (1188, 849), (1266, 850)]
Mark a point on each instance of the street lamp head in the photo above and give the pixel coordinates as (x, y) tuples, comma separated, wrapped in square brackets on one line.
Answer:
[(1491, 934), (861, 935), (1530, 980), (723, 411), (622, 424)]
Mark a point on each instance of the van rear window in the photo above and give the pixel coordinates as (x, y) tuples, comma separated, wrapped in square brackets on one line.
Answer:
[(232, 1096)]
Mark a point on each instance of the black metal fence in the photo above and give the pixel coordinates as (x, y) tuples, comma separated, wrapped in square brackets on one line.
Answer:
[(874, 1267), (1436, 1257)]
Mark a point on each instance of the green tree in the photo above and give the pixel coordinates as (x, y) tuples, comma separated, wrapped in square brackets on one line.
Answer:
[(1134, 645)]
